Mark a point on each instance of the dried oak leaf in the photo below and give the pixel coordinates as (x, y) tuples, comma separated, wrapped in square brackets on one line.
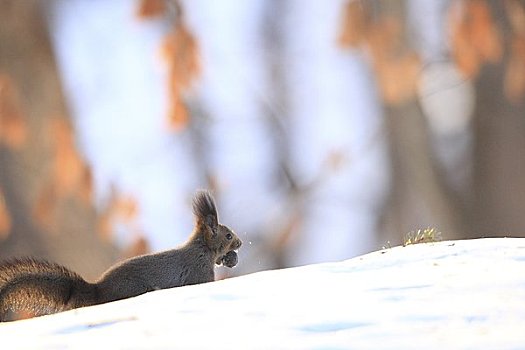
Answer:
[(465, 54), (384, 38), (139, 246), (475, 37), (71, 173), (514, 83), (5, 218), (398, 78), (180, 51), (13, 129), (44, 209), (353, 25), (178, 115), (151, 8), (515, 10), (396, 66), (121, 209), (485, 34)]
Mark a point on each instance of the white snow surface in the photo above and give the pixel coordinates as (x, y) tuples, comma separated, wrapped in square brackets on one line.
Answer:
[(448, 295)]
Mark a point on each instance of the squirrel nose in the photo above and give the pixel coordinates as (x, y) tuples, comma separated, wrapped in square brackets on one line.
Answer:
[(237, 244)]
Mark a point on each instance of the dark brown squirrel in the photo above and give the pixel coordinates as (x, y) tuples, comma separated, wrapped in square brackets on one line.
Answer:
[(43, 288)]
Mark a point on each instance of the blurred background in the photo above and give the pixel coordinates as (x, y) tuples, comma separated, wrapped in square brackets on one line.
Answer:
[(325, 129)]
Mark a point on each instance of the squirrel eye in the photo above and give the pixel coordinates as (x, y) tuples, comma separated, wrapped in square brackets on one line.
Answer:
[(229, 236)]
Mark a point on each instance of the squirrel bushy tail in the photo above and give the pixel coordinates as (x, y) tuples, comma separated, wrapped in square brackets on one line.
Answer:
[(41, 287)]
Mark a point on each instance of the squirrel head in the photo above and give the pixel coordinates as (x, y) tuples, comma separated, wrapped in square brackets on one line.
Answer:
[(220, 239)]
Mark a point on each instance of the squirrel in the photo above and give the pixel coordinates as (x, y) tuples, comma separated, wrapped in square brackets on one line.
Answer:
[(43, 287)]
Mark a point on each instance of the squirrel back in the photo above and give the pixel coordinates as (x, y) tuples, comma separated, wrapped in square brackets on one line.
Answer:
[(43, 288)]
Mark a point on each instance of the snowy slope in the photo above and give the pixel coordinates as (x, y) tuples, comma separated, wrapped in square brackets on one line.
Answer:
[(447, 295)]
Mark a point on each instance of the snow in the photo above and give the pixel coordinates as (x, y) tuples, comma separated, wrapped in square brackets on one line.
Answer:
[(447, 295)]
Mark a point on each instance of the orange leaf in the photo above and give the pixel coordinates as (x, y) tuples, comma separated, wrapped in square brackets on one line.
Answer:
[(140, 246), (466, 55), (85, 185), (13, 130), (398, 78), (126, 208), (5, 218), (105, 226), (353, 26), (44, 210), (514, 83), (485, 34), (71, 174), (151, 8), (516, 13), (384, 38), (181, 54), (178, 115), (475, 37), (396, 67), (121, 209), (463, 50)]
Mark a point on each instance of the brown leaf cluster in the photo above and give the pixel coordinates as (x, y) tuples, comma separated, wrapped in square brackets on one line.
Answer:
[(151, 8), (139, 246), (181, 53), (70, 175), (514, 83), (396, 66), (353, 27), (5, 218), (122, 209), (476, 39), (13, 129)]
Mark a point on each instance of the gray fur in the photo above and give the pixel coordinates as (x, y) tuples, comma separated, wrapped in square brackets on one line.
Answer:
[(43, 288)]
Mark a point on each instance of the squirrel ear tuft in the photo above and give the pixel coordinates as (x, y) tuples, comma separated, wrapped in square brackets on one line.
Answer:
[(204, 208), (211, 222)]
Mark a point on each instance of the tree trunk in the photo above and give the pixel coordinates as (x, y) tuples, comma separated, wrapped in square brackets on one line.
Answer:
[(31, 98)]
